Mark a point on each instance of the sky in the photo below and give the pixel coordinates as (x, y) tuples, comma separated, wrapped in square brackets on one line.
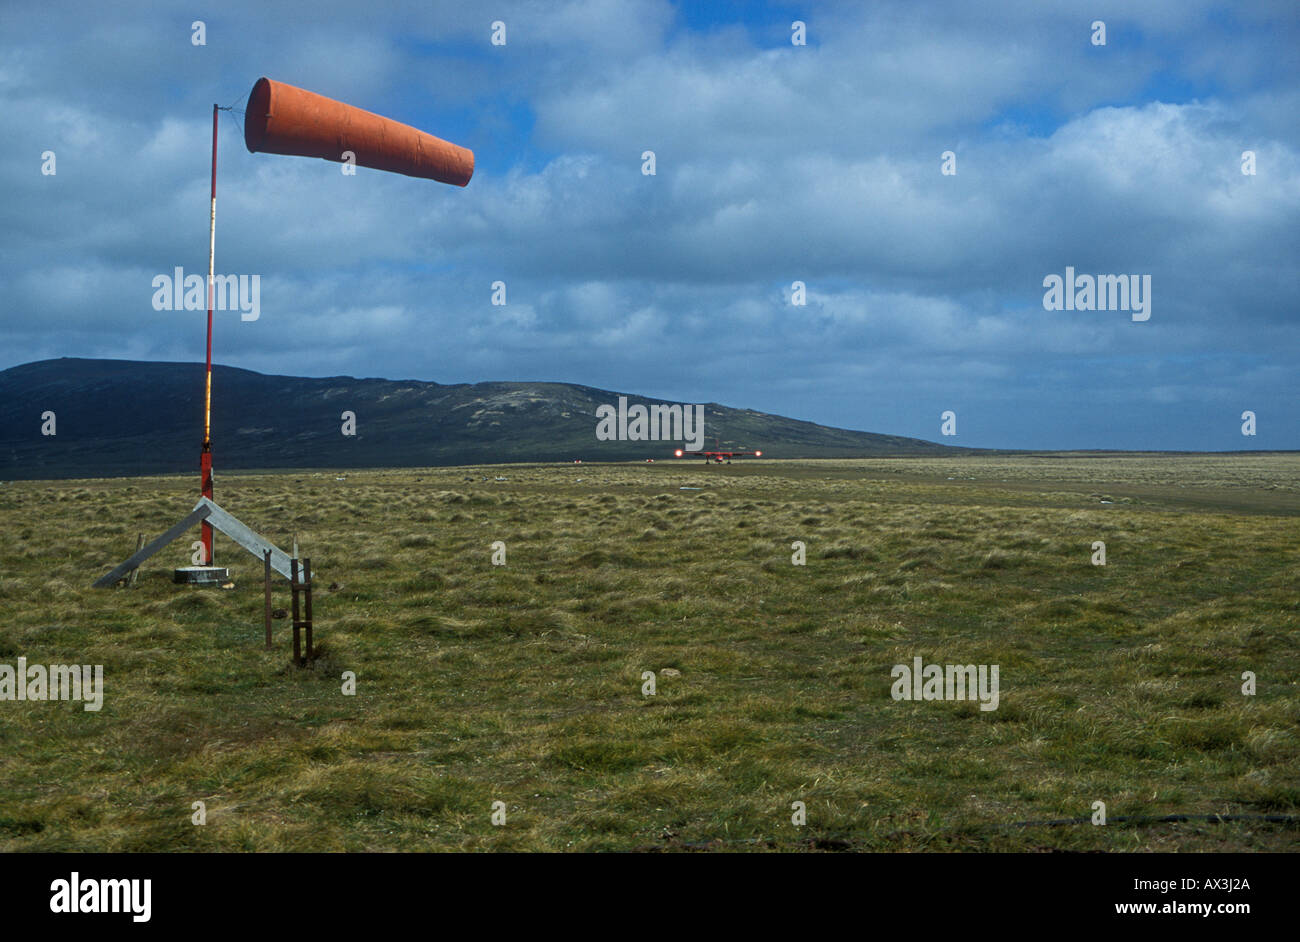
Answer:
[(775, 163)]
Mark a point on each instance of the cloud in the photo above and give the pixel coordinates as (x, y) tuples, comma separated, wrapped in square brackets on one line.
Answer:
[(774, 163)]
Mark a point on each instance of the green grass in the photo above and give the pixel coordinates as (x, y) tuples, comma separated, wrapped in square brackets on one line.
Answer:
[(523, 683)]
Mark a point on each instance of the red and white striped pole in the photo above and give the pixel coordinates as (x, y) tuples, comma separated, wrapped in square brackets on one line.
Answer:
[(205, 458)]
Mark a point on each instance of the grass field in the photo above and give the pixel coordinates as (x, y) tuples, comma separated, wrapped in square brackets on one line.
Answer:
[(523, 683)]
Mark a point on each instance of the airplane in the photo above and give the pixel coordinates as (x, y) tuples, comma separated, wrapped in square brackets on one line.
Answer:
[(716, 456)]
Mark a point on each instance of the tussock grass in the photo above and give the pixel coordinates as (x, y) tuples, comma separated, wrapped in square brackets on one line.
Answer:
[(523, 684)]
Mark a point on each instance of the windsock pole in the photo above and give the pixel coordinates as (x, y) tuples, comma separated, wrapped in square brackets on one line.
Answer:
[(205, 458)]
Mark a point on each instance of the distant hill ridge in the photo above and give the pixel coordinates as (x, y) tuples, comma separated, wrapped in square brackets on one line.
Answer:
[(127, 417)]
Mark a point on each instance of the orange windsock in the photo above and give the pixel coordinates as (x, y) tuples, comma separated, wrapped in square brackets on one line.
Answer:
[(282, 119)]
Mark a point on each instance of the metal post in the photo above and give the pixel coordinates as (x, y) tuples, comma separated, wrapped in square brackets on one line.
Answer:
[(293, 583), (266, 558), (139, 542), (205, 457), (306, 575)]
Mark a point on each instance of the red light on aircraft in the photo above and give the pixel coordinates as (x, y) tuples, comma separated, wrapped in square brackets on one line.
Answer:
[(758, 454), (678, 452)]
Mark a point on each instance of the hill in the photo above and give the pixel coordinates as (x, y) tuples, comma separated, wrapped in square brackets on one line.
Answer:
[(124, 417)]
